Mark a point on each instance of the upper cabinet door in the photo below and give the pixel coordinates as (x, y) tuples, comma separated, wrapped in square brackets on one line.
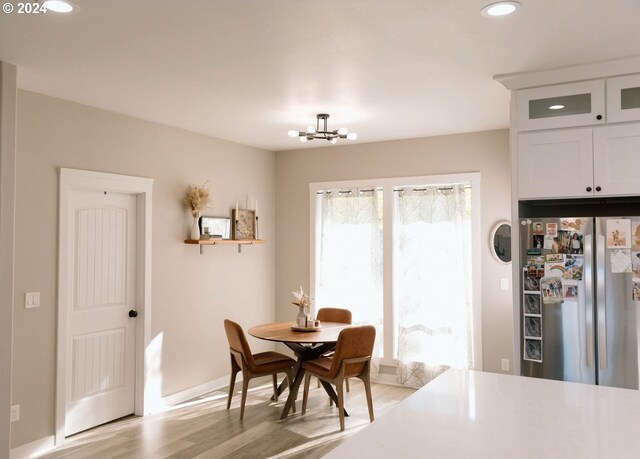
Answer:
[(623, 98), (555, 164), (616, 160), (563, 105)]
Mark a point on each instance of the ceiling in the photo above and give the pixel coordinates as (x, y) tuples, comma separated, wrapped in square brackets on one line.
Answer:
[(250, 70)]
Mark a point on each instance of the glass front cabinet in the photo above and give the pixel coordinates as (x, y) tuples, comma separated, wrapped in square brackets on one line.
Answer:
[(563, 105), (579, 104), (623, 98)]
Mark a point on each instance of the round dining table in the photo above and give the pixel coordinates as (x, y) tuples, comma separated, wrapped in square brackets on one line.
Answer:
[(307, 345)]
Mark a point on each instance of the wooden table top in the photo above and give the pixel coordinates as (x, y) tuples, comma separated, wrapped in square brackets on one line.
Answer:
[(282, 332)]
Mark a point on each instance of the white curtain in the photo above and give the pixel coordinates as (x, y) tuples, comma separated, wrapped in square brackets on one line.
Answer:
[(350, 265), (432, 281)]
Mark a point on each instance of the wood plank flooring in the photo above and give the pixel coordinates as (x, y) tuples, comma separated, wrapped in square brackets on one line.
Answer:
[(203, 428)]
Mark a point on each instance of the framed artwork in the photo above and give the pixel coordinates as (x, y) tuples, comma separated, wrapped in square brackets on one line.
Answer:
[(215, 227), (243, 223)]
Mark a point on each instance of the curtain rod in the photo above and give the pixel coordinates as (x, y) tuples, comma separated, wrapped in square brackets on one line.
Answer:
[(363, 190)]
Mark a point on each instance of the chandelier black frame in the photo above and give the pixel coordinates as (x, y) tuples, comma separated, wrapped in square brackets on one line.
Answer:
[(322, 132)]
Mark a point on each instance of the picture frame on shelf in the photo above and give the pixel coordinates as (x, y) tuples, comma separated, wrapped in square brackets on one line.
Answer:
[(243, 224), (215, 227)]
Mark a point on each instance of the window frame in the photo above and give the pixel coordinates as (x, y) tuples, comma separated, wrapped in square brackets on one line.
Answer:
[(388, 185)]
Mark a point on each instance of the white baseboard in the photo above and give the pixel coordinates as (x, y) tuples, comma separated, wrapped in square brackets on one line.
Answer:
[(33, 449), (197, 391)]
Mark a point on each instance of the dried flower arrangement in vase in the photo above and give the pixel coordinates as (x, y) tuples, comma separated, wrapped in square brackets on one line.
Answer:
[(196, 198), (303, 302)]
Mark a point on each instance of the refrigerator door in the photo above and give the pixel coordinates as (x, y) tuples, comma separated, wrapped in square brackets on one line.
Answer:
[(616, 330), (567, 334)]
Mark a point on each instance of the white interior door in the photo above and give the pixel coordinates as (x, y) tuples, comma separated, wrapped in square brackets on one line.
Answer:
[(100, 346)]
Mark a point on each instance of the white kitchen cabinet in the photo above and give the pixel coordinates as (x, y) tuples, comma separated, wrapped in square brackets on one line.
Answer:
[(555, 164), (562, 105), (581, 162), (616, 160), (623, 98)]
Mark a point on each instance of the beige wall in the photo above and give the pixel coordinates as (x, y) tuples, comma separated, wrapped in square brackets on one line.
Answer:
[(191, 293), (486, 152)]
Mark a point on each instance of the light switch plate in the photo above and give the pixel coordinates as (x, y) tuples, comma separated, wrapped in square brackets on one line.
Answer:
[(505, 364), (32, 300), (15, 413), (504, 283)]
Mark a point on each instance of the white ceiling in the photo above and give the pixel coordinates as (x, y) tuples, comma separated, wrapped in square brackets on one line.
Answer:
[(250, 70)]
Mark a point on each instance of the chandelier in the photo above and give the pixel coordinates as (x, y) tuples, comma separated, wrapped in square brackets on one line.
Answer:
[(322, 132)]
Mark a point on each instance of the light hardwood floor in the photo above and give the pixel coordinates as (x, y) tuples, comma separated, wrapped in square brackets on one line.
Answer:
[(203, 428)]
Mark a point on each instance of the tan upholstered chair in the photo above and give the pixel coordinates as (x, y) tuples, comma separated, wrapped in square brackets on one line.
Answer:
[(253, 365), (352, 359), (342, 316)]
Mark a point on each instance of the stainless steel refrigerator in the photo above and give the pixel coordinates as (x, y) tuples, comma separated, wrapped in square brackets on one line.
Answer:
[(580, 285)]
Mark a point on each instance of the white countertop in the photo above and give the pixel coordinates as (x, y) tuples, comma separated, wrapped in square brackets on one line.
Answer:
[(469, 414)]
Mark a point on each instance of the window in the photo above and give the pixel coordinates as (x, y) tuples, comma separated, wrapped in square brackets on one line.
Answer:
[(403, 254)]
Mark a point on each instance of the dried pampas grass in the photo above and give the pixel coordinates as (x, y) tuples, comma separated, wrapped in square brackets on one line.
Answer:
[(196, 198)]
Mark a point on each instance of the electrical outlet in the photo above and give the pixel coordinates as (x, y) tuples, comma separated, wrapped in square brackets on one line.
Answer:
[(505, 364), (15, 413)]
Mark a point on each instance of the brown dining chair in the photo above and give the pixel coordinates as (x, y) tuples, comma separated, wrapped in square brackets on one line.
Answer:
[(253, 365), (339, 315), (352, 359), (342, 316)]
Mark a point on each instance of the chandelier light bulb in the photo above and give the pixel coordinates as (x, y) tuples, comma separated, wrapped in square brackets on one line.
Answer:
[(343, 131), (334, 140), (352, 136), (311, 130), (303, 139), (292, 133)]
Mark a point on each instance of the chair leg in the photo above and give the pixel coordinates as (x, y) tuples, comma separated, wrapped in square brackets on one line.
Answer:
[(340, 391), (275, 387), (245, 388), (367, 388), (305, 395), (232, 383), (346, 381)]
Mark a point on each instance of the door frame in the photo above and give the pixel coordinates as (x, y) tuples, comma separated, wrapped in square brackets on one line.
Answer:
[(80, 180)]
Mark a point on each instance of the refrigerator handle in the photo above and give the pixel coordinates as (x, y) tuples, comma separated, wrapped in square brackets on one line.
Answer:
[(588, 276), (601, 303)]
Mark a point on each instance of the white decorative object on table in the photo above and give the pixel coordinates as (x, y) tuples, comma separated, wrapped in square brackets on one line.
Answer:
[(303, 302)]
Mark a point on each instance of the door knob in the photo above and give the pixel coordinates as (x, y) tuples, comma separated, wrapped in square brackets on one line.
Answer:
[(133, 313), (598, 188), (589, 189), (599, 117)]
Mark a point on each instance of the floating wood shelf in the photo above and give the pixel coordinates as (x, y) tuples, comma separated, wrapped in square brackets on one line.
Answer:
[(238, 242)]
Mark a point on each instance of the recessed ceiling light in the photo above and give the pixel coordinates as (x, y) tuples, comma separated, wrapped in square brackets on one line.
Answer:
[(556, 107), (59, 6), (499, 9)]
